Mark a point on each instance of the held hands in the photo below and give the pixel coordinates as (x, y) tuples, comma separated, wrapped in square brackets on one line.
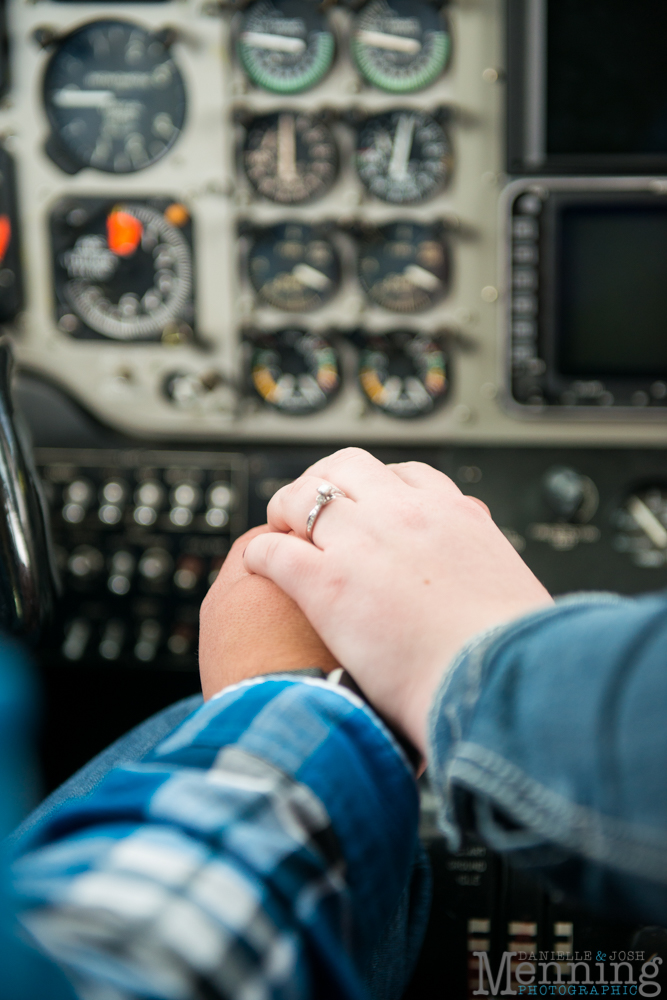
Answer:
[(250, 627), (403, 571)]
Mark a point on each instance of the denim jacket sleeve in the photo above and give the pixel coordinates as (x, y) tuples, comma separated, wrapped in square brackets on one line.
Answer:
[(549, 741)]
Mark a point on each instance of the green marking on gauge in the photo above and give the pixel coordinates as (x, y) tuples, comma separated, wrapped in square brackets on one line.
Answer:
[(284, 46), (400, 48)]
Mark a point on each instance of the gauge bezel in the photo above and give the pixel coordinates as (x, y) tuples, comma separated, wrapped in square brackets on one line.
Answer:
[(59, 243), (58, 149)]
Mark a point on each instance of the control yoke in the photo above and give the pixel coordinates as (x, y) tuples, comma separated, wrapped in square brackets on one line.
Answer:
[(28, 578)]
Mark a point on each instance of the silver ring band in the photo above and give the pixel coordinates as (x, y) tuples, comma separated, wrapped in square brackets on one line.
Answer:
[(325, 494)]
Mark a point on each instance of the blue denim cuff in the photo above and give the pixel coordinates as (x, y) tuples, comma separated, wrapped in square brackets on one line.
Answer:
[(456, 701)]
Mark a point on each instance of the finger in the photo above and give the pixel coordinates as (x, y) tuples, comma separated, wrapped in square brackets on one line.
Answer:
[(352, 470), (480, 503), (289, 508), (422, 476), (291, 563), (232, 569)]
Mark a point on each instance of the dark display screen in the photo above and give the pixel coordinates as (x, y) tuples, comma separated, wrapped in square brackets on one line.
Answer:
[(606, 77), (611, 296)]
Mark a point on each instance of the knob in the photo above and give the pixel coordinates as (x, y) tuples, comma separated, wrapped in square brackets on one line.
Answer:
[(571, 496)]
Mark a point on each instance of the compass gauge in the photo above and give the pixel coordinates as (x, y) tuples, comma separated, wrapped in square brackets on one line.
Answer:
[(114, 97), (285, 45), (400, 46), (404, 267), (402, 373), (403, 157), (294, 267), (123, 270), (290, 158), (294, 371)]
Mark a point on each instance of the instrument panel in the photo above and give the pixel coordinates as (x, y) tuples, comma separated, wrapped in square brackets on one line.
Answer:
[(196, 183)]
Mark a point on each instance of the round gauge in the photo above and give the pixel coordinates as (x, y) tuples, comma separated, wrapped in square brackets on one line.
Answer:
[(295, 371), (403, 156), (114, 97), (404, 267), (401, 45), (642, 527), (290, 158), (404, 374), (284, 45), (125, 270), (294, 267)]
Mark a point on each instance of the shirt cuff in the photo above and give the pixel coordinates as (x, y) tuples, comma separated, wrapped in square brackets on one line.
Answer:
[(455, 704), (331, 741)]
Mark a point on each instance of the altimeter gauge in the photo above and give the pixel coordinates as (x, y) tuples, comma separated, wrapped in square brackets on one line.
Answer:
[(295, 371), (290, 157), (123, 269), (285, 46), (294, 267), (403, 157), (403, 373), (114, 97), (400, 45), (404, 266)]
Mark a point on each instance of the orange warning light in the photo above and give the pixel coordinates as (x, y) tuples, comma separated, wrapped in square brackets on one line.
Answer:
[(5, 235), (124, 233), (177, 214)]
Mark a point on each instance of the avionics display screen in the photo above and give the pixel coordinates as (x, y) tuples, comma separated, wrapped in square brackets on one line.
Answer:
[(611, 291), (606, 78)]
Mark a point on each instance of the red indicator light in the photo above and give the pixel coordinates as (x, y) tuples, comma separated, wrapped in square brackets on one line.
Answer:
[(5, 235), (124, 232)]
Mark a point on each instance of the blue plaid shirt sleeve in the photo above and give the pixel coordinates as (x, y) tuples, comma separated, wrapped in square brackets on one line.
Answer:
[(259, 853)]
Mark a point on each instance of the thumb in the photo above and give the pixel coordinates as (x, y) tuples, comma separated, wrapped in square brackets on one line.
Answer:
[(292, 563)]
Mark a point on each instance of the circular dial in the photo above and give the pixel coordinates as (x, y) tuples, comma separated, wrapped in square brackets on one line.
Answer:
[(295, 371), (404, 267), (400, 46), (642, 527), (404, 374), (284, 45), (403, 156), (114, 96), (294, 267), (290, 158), (124, 270)]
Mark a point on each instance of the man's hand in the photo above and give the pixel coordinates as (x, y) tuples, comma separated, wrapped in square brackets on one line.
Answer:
[(248, 626), (404, 570)]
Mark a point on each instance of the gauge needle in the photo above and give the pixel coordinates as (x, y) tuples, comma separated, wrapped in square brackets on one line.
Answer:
[(393, 43), (648, 522), (276, 43), (400, 153), (287, 148), (311, 277), (68, 97), (425, 279)]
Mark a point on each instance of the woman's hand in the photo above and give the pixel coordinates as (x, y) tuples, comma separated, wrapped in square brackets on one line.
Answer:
[(248, 626), (404, 570)]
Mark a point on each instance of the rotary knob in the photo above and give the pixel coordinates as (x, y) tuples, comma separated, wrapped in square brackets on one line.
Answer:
[(571, 496)]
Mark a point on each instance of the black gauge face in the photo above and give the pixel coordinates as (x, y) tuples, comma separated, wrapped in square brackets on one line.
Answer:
[(404, 267), (290, 158), (10, 275), (285, 46), (114, 97), (123, 269), (403, 157), (294, 267), (642, 527), (295, 371), (400, 46), (402, 373)]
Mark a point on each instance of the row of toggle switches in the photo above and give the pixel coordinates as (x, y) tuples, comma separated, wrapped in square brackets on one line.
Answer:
[(116, 501)]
